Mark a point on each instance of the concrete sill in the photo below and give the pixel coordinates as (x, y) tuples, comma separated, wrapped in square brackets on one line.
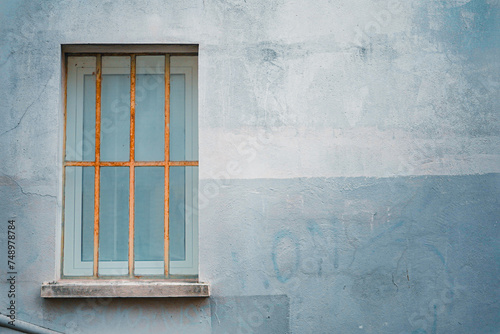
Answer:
[(123, 289)]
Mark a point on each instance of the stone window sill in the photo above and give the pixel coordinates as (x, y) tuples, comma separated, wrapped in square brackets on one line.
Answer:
[(123, 289)]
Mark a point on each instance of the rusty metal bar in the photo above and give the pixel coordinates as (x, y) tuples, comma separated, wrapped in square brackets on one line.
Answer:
[(97, 159), (132, 107), (129, 163), (115, 163), (132, 169), (79, 163), (166, 235), (150, 163), (183, 163)]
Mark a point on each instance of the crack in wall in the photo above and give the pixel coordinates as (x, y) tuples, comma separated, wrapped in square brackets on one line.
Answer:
[(27, 193), (28, 108)]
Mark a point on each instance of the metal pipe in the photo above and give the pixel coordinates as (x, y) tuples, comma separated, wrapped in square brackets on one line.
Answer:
[(24, 327)]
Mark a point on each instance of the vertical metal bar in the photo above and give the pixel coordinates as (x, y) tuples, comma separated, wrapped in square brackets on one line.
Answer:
[(97, 160), (167, 167), (131, 201)]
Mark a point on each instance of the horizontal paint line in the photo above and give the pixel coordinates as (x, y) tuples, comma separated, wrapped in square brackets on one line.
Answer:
[(287, 152)]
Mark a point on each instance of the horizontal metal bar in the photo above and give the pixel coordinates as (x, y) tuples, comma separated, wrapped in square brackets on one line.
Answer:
[(79, 163), (183, 163), (129, 163)]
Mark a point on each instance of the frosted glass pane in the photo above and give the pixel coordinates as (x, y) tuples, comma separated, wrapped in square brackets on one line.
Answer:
[(113, 215), (150, 108), (177, 213), (115, 109), (149, 213), (80, 109)]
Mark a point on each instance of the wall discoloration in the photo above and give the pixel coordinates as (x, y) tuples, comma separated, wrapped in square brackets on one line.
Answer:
[(374, 252), (323, 129)]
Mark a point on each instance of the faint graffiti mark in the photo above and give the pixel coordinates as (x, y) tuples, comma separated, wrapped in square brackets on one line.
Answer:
[(280, 240)]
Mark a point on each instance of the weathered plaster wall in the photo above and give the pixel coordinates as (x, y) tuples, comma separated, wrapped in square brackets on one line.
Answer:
[(349, 160)]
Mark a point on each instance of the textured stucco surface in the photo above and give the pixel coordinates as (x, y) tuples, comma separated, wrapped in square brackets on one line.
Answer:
[(349, 162), (392, 255)]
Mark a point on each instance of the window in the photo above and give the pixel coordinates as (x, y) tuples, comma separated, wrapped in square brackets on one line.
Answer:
[(131, 165)]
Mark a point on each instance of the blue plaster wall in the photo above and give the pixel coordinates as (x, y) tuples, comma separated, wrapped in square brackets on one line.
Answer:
[(349, 163), (390, 255)]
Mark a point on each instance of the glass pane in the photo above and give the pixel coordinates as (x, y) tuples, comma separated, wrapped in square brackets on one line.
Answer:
[(80, 109), (177, 117), (177, 213), (115, 109), (113, 220), (150, 108), (149, 214), (183, 213), (87, 213), (78, 220), (183, 109)]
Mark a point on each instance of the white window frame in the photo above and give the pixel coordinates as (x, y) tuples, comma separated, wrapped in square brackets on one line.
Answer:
[(72, 264)]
